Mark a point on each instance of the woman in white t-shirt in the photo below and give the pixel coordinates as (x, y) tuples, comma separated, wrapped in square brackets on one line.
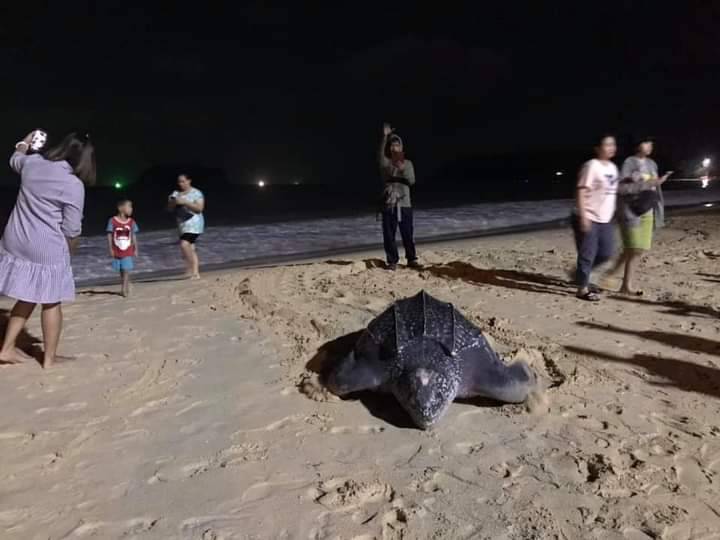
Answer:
[(594, 211)]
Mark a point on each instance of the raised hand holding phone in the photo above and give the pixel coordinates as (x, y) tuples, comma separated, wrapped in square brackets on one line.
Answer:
[(37, 140)]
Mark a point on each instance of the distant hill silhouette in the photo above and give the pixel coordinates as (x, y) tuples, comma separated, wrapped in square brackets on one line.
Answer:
[(166, 175)]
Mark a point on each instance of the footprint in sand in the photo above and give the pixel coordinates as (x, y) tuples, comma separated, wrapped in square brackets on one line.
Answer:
[(267, 490), (131, 435), (195, 469), (119, 529), (346, 494), (65, 408), (680, 423), (154, 405), (592, 424), (241, 453), (689, 474), (710, 455), (394, 524), (363, 430), (469, 448), (215, 527), (91, 528), (435, 484), (17, 437), (13, 517), (567, 470), (190, 407), (230, 457), (274, 426)]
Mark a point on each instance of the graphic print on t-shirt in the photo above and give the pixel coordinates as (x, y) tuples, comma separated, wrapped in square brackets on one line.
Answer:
[(600, 180), (611, 182), (122, 233)]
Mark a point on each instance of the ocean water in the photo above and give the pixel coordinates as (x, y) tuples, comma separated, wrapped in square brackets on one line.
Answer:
[(284, 241)]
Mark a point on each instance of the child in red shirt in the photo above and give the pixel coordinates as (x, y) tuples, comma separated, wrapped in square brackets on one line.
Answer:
[(122, 242)]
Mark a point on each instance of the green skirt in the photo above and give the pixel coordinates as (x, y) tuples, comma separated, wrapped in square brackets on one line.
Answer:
[(640, 236)]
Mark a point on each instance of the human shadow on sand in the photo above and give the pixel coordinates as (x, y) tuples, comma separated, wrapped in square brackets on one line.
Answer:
[(681, 374), (99, 293), (26, 342), (672, 339), (382, 406), (674, 307), (510, 279)]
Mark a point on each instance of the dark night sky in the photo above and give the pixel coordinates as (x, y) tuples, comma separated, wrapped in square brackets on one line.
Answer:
[(303, 91)]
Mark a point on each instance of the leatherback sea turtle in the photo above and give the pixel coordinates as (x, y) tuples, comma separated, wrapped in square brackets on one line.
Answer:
[(427, 354)]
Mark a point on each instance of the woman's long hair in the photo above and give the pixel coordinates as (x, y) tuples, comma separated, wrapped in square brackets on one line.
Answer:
[(79, 152)]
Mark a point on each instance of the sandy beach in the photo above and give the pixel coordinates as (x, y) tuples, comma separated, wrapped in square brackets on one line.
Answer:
[(194, 408)]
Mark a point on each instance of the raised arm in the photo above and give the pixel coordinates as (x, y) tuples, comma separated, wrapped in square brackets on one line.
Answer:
[(383, 160), (17, 160)]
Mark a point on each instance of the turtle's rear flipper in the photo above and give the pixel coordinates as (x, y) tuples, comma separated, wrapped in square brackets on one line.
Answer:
[(485, 375), (351, 375)]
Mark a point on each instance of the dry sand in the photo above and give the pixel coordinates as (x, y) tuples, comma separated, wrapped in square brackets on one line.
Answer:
[(193, 412)]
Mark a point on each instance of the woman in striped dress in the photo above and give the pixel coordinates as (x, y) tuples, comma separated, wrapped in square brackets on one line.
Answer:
[(40, 234)]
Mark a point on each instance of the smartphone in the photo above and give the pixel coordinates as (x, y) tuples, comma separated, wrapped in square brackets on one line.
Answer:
[(38, 140)]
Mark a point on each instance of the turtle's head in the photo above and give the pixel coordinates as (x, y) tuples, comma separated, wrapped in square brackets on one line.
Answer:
[(425, 394)]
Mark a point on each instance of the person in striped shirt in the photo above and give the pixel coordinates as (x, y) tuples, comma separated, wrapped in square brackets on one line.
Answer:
[(40, 235)]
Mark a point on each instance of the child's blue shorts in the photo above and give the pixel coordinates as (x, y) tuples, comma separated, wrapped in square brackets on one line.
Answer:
[(126, 264)]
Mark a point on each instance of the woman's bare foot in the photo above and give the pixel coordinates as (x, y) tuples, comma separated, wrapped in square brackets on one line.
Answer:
[(59, 359), (630, 292), (609, 281), (16, 356)]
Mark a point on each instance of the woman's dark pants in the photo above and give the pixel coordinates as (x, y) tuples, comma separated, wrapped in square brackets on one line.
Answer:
[(595, 247)]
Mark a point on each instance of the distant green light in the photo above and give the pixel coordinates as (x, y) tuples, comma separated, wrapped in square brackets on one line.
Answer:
[(118, 185)]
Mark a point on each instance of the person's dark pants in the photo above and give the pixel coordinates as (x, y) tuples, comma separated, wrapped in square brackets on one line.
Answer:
[(595, 247), (390, 224)]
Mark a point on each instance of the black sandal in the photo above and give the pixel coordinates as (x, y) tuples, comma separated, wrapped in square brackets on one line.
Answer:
[(589, 296)]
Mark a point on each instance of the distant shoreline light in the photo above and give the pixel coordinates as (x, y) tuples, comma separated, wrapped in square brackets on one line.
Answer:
[(261, 183)]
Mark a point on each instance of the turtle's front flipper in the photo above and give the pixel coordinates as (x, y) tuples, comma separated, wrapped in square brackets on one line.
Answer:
[(353, 374), (485, 375)]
